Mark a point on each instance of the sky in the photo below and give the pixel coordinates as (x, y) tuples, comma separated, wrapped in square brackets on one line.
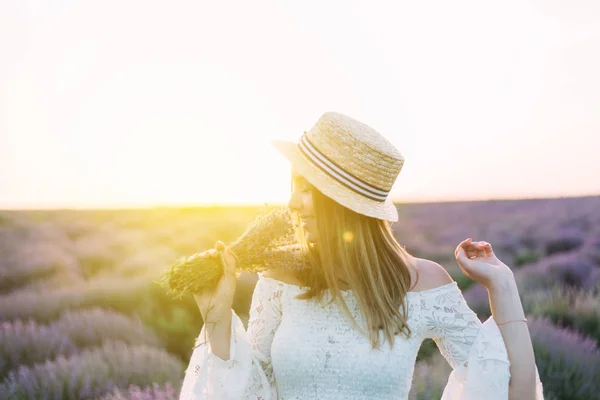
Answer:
[(131, 103)]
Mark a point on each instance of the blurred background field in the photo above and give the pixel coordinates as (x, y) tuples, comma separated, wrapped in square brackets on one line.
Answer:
[(82, 317)]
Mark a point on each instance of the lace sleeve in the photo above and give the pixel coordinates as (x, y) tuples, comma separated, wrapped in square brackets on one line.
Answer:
[(248, 373), (476, 351)]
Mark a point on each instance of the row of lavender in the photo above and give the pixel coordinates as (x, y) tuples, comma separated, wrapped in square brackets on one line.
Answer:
[(553, 247), (82, 315)]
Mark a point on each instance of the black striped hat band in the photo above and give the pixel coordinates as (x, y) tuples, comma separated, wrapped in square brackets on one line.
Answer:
[(336, 172)]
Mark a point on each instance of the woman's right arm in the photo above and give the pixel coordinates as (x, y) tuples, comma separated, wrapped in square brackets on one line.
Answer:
[(246, 371), (219, 336)]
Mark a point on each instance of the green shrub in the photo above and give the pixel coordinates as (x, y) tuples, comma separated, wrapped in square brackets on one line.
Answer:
[(526, 256), (427, 349), (573, 308)]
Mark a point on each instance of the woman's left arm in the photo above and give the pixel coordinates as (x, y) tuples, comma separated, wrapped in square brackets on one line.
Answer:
[(505, 304), (479, 262)]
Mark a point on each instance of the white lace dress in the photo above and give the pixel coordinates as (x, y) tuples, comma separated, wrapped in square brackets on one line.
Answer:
[(298, 349)]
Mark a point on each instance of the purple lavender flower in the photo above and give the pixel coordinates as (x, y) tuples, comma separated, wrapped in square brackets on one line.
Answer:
[(568, 362), (565, 240), (94, 373), (477, 298), (26, 342), (155, 392), (107, 292)]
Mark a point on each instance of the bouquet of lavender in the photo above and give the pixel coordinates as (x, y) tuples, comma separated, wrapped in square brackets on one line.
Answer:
[(269, 242)]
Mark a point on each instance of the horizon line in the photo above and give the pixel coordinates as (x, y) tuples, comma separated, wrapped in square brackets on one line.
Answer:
[(261, 204)]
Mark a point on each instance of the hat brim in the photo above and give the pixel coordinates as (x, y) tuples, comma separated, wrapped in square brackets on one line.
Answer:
[(333, 189)]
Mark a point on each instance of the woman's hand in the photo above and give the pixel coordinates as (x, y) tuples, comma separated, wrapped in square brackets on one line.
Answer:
[(479, 262), (215, 305)]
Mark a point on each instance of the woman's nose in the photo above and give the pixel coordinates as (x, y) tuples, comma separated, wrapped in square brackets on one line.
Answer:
[(294, 203)]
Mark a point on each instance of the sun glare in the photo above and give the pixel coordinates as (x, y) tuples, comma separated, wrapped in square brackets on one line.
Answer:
[(348, 236)]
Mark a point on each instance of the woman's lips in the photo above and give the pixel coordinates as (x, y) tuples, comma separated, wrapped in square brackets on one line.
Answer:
[(305, 220)]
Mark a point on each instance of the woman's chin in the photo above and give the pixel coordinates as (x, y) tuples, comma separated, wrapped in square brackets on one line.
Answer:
[(310, 238)]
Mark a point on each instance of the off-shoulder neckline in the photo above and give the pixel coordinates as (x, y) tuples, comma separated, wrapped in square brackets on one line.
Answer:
[(349, 291)]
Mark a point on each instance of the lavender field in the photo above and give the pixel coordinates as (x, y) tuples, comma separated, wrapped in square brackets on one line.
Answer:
[(82, 317)]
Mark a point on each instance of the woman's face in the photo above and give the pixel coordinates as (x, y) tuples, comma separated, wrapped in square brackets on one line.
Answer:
[(301, 202)]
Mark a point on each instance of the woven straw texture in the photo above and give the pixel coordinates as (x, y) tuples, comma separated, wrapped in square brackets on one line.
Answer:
[(357, 149)]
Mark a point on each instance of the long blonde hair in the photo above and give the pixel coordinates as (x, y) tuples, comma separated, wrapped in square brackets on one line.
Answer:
[(375, 264)]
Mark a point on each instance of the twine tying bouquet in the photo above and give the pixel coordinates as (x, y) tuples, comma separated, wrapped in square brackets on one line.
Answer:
[(268, 243)]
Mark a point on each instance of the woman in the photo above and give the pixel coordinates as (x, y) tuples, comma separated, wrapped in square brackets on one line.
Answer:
[(350, 326)]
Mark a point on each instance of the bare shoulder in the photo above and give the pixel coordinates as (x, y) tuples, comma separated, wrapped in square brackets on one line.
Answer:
[(431, 275), (282, 276)]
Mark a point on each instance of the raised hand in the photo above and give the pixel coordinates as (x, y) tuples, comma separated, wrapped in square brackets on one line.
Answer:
[(215, 305), (478, 261)]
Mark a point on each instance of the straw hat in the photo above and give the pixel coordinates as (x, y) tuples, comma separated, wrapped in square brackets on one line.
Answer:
[(349, 162)]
